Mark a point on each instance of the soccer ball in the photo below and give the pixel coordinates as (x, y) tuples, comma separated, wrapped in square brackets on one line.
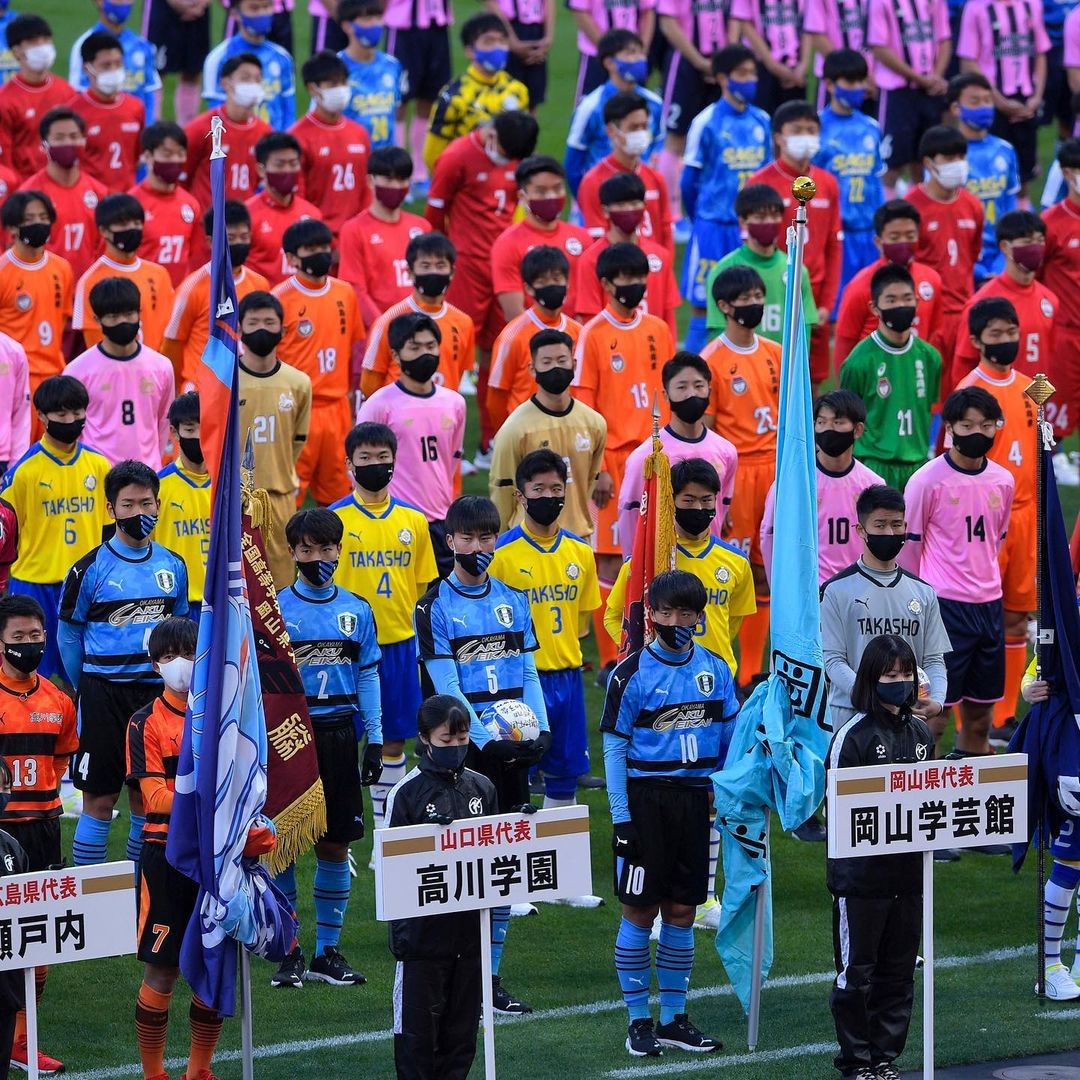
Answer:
[(924, 684), (511, 720)]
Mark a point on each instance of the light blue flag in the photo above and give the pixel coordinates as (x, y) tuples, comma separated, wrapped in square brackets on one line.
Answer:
[(777, 752)]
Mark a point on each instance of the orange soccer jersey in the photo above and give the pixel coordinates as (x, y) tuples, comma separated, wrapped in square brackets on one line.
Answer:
[(745, 397), (74, 234), (35, 306), (153, 752), (155, 290)]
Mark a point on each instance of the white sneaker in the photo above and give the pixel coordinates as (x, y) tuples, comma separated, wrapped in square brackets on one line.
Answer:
[(1060, 985), (520, 910), (467, 386), (586, 901), (482, 461), (708, 915), (1065, 470), (467, 467)]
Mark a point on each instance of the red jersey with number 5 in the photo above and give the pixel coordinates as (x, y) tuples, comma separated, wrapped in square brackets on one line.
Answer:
[(171, 226), (950, 240), (333, 167)]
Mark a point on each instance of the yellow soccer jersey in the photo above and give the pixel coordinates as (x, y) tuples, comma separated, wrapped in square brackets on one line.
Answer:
[(559, 577), (59, 501), (387, 558), (276, 409), (725, 572), (184, 524)]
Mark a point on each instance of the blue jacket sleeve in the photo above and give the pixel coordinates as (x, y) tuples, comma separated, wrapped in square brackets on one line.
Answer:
[(688, 189), (444, 677), (370, 702), (615, 748), (70, 642), (533, 692), (575, 168)]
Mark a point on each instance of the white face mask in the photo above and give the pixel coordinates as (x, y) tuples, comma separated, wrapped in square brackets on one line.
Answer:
[(636, 143), (953, 174), (40, 57), (177, 674), (802, 147), (497, 157), (247, 94), (1076, 183), (110, 82), (335, 99)]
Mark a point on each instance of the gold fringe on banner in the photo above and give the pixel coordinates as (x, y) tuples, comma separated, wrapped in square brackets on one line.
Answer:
[(298, 826), (658, 465)]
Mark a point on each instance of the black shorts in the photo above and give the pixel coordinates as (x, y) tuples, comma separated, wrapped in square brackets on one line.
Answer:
[(327, 34), (181, 47), (906, 114), (1056, 101), (771, 95), (339, 770), (100, 764), (444, 557), (1023, 137), (511, 782), (425, 56), (672, 823), (166, 901), (534, 76), (976, 665), (686, 93), (40, 840), (591, 74)]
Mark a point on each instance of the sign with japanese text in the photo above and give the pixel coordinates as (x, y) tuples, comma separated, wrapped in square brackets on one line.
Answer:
[(60, 916), (481, 863), (927, 805)]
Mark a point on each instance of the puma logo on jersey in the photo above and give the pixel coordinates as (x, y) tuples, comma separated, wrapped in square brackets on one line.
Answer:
[(177, 506), (865, 603), (45, 484)]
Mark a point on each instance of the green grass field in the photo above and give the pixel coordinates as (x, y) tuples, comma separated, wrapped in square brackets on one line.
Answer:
[(561, 960)]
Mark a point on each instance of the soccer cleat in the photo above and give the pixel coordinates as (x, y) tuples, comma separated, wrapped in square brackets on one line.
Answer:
[(333, 968), (519, 911), (604, 674), (1076, 969), (641, 1039), (865, 1073), (947, 854), (811, 831), (708, 915), (1001, 736), (502, 1001), (482, 461), (1060, 985), (887, 1071), (587, 900), (1065, 470), (589, 782), (202, 1074), (291, 972), (467, 467), (681, 1034), (47, 1066)]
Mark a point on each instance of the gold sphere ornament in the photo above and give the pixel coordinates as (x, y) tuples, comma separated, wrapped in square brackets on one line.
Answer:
[(804, 189)]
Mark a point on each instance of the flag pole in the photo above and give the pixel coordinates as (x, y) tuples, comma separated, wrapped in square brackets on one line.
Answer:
[(246, 1034), (753, 1016)]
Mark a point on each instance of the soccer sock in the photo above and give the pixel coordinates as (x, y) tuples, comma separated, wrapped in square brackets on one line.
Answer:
[(399, 132), (674, 963), (40, 976), (417, 135), (331, 894), (500, 923), (152, 1028), (393, 769), (91, 843), (669, 165), (286, 882), (553, 801), (1059, 896), (1015, 662), (186, 102), (752, 635), (134, 840), (632, 967), (605, 647), (205, 1029), (487, 425), (714, 855), (697, 333)]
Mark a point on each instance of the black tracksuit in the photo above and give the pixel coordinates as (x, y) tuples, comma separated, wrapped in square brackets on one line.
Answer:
[(877, 910), (437, 987), (13, 860)]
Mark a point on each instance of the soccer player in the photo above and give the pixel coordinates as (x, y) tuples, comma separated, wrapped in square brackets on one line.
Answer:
[(333, 637), (376, 79), (531, 34), (184, 522), (550, 419), (277, 206), (323, 338), (541, 182), (104, 660), (56, 492), (896, 235), (897, 375), (38, 739), (388, 559), (14, 401), (29, 94), (171, 229), (476, 641), (334, 150), (659, 787), (182, 41), (596, 19), (73, 193), (278, 107), (776, 38), (839, 421), (958, 512), (728, 142), (427, 419), (275, 406), (167, 898)]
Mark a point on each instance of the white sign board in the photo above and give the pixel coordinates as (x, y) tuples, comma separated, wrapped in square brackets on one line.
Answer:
[(479, 863), (927, 805), (59, 916)]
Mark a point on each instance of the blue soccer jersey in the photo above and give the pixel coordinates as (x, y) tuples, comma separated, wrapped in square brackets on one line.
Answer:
[(112, 599), (140, 64), (279, 86), (851, 151), (675, 710), (8, 64), (377, 89), (994, 179)]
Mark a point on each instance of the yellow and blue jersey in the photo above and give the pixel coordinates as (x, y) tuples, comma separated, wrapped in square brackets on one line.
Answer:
[(184, 522), (59, 501), (994, 179), (558, 575), (8, 64), (279, 85), (851, 151), (377, 89)]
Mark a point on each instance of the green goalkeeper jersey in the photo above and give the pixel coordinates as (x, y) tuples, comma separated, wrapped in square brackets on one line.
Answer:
[(773, 271)]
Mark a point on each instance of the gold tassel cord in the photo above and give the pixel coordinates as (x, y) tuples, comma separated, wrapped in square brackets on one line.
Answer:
[(298, 826), (658, 465)]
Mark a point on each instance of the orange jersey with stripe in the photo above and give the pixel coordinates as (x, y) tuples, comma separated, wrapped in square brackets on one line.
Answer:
[(618, 364), (37, 736), (74, 235), (155, 292), (510, 357), (153, 752), (745, 396), (35, 305), (322, 328)]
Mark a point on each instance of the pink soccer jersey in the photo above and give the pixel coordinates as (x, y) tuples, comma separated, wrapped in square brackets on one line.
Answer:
[(608, 15), (779, 22), (417, 15), (1071, 34), (705, 24), (1004, 37), (14, 400), (912, 30), (714, 448), (128, 414), (526, 12), (838, 546), (956, 523), (842, 22), (430, 433)]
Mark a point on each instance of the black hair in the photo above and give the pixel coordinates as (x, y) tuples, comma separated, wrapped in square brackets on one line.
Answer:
[(15, 605), (984, 311), (959, 83), (970, 397), (790, 111), (391, 162), (516, 132), (549, 337), (14, 209), (114, 296), (370, 434), (185, 409), (726, 60), (757, 197), (622, 259), (622, 187), (621, 104), (1068, 155), (1017, 223), (472, 513), (845, 64), (174, 636), (231, 65), (614, 41), (543, 259), (894, 210), (440, 709), (59, 392), (733, 281), (347, 10), (55, 115), (318, 526), (533, 166), (236, 213), (26, 28), (889, 274), (127, 473), (845, 404), (154, 135), (942, 140), (483, 22), (259, 301), (307, 232), (433, 244), (694, 470), (537, 462), (405, 327), (272, 142), (677, 589), (323, 66), (878, 497), (680, 362), (114, 209), (879, 657), (98, 41)]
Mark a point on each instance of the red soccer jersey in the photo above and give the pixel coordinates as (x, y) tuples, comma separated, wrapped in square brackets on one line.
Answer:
[(172, 222), (8, 182), (21, 108), (950, 240), (655, 225), (74, 235), (373, 259), (333, 167), (510, 248), (238, 142), (112, 137), (1060, 270), (472, 199), (269, 220)]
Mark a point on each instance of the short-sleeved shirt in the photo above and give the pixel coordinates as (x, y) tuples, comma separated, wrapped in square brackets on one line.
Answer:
[(269, 220), (333, 167), (608, 15), (851, 151), (373, 258), (171, 230), (912, 30), (841, 22), (153, 753), (238, 142), (745, 395), (704, 24), (111, 154), (510, 356), (779, 22), (656, 224), (140, 66), (184, 521), (278, 108), (14, 400), (950, 240), (588, 132), (155, 295), (418, 14), (74, 235), (512, 246), (773, 271), (377, 89), (276, 408), (21, 108), (1004, 37), (1060, 270), (35, 305)]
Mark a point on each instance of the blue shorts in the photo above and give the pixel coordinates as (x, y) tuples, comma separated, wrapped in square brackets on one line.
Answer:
[(48, 596), (568, 758), (399, 688), (859, 252), (976, 664), (1066, 845), (709, 243)]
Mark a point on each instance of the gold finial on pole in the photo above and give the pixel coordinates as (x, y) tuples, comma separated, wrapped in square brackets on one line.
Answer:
[(803, 189), (217, 130), (1040, 389)]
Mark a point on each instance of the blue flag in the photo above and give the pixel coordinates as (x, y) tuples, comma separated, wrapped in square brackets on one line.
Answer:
[(777, 752)]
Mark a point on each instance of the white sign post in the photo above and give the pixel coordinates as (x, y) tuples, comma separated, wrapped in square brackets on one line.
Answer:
[(479, 863), (62, 916), (926, 806)]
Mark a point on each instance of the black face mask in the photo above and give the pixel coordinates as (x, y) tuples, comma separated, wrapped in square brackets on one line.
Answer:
[(373, 477), (555, 380), (630, 295), (36, 235), (898, 319), (473, 562), (545, 509), (192, 450), (674, 637), (834, 443), (138, 526), (885, 546), (24, 656), (121, 333), (895, 693), (551, 297), (1001, 352), (239, 253), (127, 240), (317, 572), (974, 445), (316, 265), (692, 520), (65, 432), (261, 342), (431, 284), (690, 410), (421, 367), (447, 758), (748, 315)]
